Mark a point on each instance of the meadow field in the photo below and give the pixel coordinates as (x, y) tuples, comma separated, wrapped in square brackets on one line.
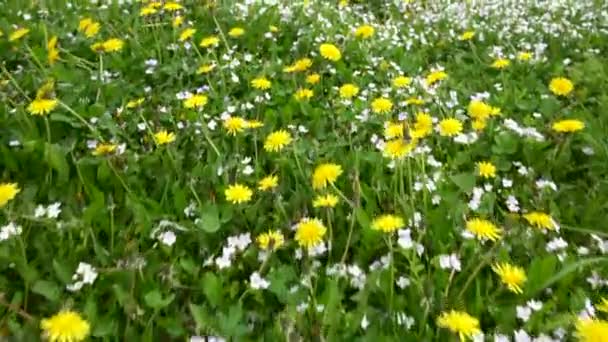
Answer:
[(278, 170)]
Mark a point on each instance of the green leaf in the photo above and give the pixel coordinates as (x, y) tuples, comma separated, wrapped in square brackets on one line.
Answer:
[(567, 270), (465, 181), (48, 289), (62, 271), (210, 219), (155, 300), (55, 157), (212, 287)]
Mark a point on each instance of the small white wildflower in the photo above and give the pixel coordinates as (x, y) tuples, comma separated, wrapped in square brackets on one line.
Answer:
[(364, 322), (449, 262), (523, 313), (257, 282), (168, 238), (403, 282)]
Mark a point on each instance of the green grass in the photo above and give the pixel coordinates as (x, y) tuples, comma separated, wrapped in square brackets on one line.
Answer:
[(120, 210)]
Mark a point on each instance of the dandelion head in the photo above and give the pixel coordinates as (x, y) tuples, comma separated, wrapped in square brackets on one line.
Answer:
[(388, 223), (512, 276), (8, 191), (325, 174), (65, 326), (238, 193), (271, 240), (310, 232), (459, 322), (450, 127), (276, 141), (483, 229), (330, 52), (561, 86)]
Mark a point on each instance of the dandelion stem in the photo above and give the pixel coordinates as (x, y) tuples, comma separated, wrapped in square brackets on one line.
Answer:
[(392, 274), (13, 82), (79, 117), (206, 135), (122, 182), (17, 310), (350, 203), (99, 77), (348, 239), (483, 263)]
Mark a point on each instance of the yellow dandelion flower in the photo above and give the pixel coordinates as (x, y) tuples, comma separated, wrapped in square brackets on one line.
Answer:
[(401, 81), (303, 94), (382, 105), (236, 32), (18, 34), (450, 127), (483, 229), (155, 4), (524, 56), (235, 124), (110, 45), (479, 110), (276, 141), (416, 101), (84, 23), (273, 29), (330, 52), (177, 21), (163, 137), (147, 11), (325, 201), (398, 148), (310, 232), (271, 240), (479, 125), (561, 86), (540, 220), (65, 326), (238, 193), (8, 191), (486, 169), (186, 34), (325, 174), (467, 35), (388, 223), (591, 330), (268, 182), (348, 91), (42, 106), (254, 124), (210, 41), (435, 77), (301, 64), (92, 29), (196, 101), (103, 149), (393, 130), (172, 6), (313, 78), (459, 322), (205, 69), (501, 63), (261, 83), (568, 126), (512, 276), (53, 53), (135, 103), (364, 31), (423, 125)]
